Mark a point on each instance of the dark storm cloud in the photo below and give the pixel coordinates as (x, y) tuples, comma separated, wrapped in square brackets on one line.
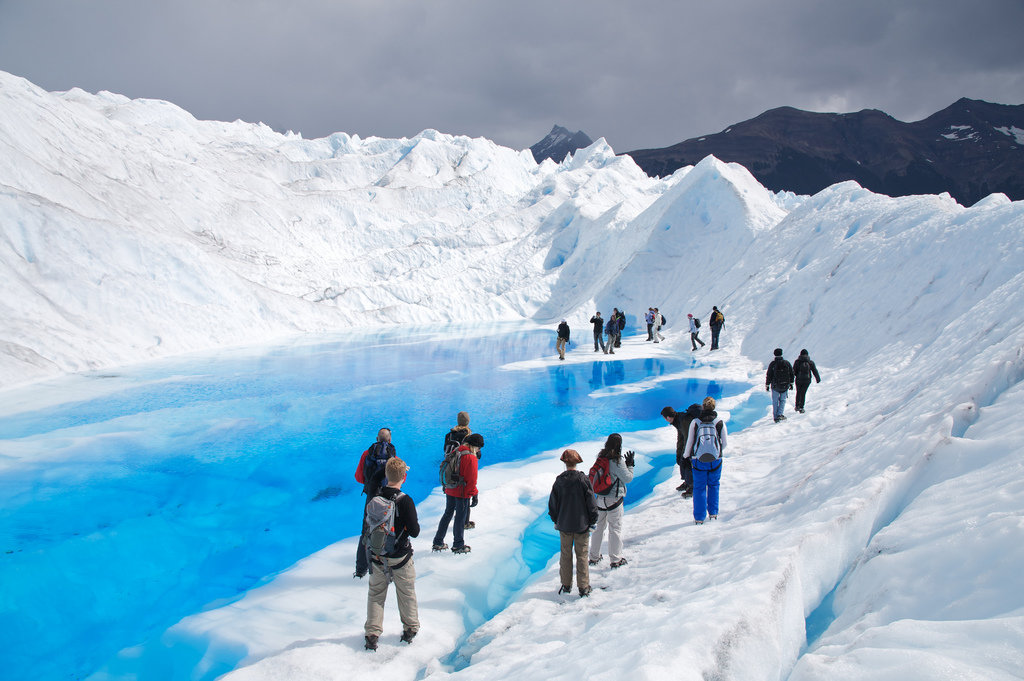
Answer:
[(644, 73)]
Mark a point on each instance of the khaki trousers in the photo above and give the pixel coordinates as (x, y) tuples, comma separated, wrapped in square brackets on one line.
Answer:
[(405, 587), (574, 543)]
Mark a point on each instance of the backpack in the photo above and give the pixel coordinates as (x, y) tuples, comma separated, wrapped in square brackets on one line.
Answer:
[(696, 322), (379, 525), (718, 318), (376, 458), (449, 469), (707, 447), (600, 476), (664, 322), (803, 370)]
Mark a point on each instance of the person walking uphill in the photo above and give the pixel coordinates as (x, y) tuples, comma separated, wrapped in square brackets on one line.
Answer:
[(608, 477), (459, 488), (572, 508), (705, 443), (716, 322), (391, 555), (452, 441), (370, 474), (803, 369), (694, 331), (779, 379), (598, 323), (681, 422), (563, 338)]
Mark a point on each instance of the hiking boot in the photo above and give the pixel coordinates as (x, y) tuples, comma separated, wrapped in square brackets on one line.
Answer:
[(687, 493), (359, 574), (469, 526), (585, 591), (371, 643), (462, 549), (439, 547), (595, 561), (713, 517), (782, 417), (618, 563), (564, 589), (698, 522), (681, 487), (408, 635)]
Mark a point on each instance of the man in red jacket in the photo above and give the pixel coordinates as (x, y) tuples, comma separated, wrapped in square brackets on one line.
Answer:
[(458, 495)]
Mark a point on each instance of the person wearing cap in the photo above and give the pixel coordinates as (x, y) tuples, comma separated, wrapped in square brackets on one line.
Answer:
[(457, 498), (694, 333), (803, 369), (399, 568), (598, 323), (563, 338), (779, 379), (456, 437), (572, 507)]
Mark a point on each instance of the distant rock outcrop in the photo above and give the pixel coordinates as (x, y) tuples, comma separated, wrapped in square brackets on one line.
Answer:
[(558, 143), (970, 149)]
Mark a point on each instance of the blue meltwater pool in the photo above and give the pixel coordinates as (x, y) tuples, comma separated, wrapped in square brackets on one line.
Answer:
[(168, 488)]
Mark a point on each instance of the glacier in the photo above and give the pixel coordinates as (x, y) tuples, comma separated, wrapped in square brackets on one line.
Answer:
[(886, 520)]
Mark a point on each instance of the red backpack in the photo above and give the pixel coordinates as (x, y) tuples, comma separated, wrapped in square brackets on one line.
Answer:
[(600, 477)]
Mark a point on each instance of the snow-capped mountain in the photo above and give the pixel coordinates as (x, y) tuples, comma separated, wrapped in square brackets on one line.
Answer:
[(970, 150), (559, 143)]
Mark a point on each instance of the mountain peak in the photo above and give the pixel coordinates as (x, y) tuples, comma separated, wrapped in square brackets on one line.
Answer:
[(558, 143)]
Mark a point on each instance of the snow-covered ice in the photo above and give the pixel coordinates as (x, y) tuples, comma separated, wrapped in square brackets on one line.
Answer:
[(887, 520)]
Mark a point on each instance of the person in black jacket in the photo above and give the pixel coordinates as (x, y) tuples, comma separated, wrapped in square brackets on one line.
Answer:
[(598, 323), (563, 338), (572, 507), (399, 566), (681, 422), (779, 379), (716, 322), (803, 369)]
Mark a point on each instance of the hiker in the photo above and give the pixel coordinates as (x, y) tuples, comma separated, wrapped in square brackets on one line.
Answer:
[(458, 494), (609, 332), (563, 338), (681, 422), (705, 442), (452, 440), (659, 321), (370, 473), (394, 561), (779, 379), (716, 322), (572, 508), (694, 332), (803, 369), (608, 478), (621, 317), (649, 318), (598, 323)]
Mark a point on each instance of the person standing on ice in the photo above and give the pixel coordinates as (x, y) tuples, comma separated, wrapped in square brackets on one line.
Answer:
[(459, 495), (572, 508), (563, 338), (370, 474), (608, 477), (395, 565), (659, 321), (803, 369), (705, 443), (598, 323), (716, 322), (694, 332), (455, 438), (609, 332), (649, 318), (681, 422), (779, 379)]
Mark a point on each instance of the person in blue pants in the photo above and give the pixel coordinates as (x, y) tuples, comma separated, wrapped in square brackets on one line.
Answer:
[(705, 443)]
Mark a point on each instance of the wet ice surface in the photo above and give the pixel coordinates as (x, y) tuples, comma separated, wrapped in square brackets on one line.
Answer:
[(170, 488)]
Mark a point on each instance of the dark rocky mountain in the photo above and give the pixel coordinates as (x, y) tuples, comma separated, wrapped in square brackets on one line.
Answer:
[(970, 149), (558, 143)]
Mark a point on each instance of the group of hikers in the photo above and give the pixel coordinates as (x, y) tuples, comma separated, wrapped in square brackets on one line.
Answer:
[(583, 507), (608, 332)]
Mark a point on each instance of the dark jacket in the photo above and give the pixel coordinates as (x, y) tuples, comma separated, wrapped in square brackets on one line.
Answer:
[(779, 376), (681, 422), (805, 365), (407, 524), (563, 331), (376, 481), (716, 319), (598, 323), (571, 504), (456, 436)]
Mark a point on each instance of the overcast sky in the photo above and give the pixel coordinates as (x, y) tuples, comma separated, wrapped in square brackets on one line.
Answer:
[(641, 73)]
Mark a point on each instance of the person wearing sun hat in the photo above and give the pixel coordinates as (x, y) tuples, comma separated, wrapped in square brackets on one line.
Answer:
[(572, 507)]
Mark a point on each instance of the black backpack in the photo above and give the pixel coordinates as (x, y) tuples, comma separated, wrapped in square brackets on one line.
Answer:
[(696, 322), (803, 370), (376, 458)]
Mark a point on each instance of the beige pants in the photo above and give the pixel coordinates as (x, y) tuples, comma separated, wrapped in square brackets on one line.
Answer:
[(574, 543), (560, 346), (405, 587)]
